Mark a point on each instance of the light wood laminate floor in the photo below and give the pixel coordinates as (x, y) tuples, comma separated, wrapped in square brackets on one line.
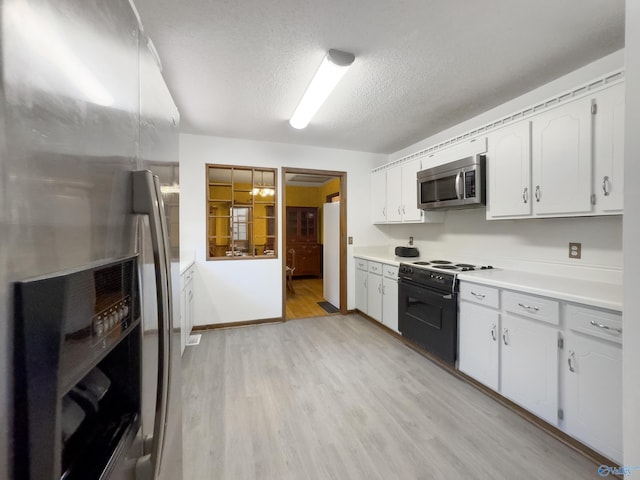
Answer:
[(338, 398)]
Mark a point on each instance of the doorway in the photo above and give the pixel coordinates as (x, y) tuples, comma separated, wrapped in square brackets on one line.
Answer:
[(314, 261)]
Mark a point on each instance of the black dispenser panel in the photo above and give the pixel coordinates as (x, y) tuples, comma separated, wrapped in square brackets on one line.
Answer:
[(77, 370)]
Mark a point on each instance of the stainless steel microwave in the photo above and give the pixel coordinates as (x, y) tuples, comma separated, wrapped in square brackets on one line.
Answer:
[(458, 184)]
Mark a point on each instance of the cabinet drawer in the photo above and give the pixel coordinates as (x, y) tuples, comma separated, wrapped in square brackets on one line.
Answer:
[(596, 323), (472, 292), (187, 276), (375, 267), (390, 271), (362, 264), (543, 309)]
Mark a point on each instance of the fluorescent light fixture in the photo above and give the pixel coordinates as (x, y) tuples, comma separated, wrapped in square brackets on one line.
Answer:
[(333, 67)]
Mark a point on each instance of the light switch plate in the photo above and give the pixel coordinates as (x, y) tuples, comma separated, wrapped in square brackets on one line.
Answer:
[(575, 250), (350, 240)]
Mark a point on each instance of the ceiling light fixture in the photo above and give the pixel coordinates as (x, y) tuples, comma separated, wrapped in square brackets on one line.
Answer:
[(333, 67)]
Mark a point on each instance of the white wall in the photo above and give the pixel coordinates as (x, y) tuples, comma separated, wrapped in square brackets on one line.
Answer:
[(631, 336), (535, 245), (235, 291), (585, 74)]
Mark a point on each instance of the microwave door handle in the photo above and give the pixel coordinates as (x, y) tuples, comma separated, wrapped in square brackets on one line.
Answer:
[(147, 200), (458, 186)]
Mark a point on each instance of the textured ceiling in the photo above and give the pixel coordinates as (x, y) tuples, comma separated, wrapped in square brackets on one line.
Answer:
[(237, 68)]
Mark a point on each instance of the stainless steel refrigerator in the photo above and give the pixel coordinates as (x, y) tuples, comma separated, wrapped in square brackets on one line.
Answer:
[(84, 107)]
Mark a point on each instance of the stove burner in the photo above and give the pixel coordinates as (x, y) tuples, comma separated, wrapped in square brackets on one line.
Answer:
[(465, 265), (447, 267), (421, 263), (441, 262)]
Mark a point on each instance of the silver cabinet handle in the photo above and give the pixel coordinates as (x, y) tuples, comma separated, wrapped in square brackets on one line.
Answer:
[(571, 360), (525, 195), (398, 209), (537, 193), (384, 211), (457, 185), (478, 295), (605, 327), (529, 307), (494, 332), (505, 336), (403, 212), (366, 283), (379, 288), (605, 182), (147, 200)]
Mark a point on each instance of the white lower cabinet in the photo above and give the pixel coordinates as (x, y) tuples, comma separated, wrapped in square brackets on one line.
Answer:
[(560, 361), (376, 291), (390, 297), (478, 343), (592, 380), (529, 361), (186, 306), (361, 285)]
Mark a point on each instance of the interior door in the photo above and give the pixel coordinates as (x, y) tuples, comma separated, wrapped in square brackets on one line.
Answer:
[(331, 253)]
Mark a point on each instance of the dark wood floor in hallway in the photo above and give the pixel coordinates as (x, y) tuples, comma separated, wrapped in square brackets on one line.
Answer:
[(338, 398)]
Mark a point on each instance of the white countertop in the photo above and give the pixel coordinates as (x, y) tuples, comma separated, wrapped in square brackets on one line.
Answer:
[(595, 294)]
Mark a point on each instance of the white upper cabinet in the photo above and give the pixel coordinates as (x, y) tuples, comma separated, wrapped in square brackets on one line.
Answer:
[(561, 163), (409, 204), (609, 150), (509, 171), (379, 196), (394, 196)]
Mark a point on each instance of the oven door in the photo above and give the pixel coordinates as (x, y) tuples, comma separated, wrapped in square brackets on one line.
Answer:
[(429, 318)]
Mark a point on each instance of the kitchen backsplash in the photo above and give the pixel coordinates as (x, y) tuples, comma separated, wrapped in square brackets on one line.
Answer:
[(534, 245)]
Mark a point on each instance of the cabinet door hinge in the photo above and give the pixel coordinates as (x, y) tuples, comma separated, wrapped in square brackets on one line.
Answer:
[(560, 343), (594, 109), (560, 414), (593, 199)]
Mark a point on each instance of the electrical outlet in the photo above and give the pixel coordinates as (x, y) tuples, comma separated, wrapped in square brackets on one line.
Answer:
[(350, 240), (575, 250), (410, 241)]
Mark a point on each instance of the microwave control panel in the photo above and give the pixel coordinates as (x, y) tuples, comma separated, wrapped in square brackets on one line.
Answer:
[(470, 184)]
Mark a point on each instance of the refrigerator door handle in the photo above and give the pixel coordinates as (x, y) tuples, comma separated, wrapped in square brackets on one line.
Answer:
[(147, 200)]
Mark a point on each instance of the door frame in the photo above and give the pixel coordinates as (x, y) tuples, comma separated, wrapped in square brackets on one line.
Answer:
[(343, 231)]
